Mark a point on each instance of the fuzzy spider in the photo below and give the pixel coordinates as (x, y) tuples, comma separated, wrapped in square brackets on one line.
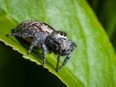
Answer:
[(46, 38)]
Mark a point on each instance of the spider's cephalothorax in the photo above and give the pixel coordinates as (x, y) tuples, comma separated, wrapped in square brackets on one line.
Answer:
[(44, 37)]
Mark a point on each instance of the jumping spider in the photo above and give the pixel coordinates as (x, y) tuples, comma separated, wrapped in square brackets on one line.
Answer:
[(44, 37)]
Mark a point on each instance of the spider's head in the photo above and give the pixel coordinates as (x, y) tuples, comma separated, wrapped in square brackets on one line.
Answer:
[(67, 47), (59, 44)]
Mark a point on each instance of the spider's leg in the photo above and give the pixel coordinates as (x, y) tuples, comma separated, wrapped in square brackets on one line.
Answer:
[(12, 34), (31, 47), (65, 61), (58, 60), (33, 44), (44, 50)]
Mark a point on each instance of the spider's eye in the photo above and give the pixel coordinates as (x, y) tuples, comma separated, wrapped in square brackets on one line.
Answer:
[(61, 33)]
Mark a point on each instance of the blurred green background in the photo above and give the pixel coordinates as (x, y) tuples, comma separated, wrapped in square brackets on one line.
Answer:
[(106, 13)]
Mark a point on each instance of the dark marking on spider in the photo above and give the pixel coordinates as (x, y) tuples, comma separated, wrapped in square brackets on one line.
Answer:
[(46, 38)]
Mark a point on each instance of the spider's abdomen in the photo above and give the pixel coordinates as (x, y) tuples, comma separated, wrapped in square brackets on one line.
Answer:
[(40, 27), (32, 29)]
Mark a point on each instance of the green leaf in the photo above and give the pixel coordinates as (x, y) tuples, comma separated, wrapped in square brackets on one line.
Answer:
[(106, 16), (92, 63)]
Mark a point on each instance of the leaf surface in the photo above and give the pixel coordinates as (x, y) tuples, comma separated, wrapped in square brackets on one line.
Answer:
[(92, 63)]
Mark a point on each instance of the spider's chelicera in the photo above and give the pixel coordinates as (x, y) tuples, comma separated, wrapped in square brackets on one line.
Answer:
[(46, 38)]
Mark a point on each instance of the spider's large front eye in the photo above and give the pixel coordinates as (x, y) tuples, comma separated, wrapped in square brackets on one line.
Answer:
[(61, 33)]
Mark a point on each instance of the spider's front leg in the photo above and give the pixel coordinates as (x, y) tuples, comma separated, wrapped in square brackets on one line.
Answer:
[(58, 60), (65, 61)]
